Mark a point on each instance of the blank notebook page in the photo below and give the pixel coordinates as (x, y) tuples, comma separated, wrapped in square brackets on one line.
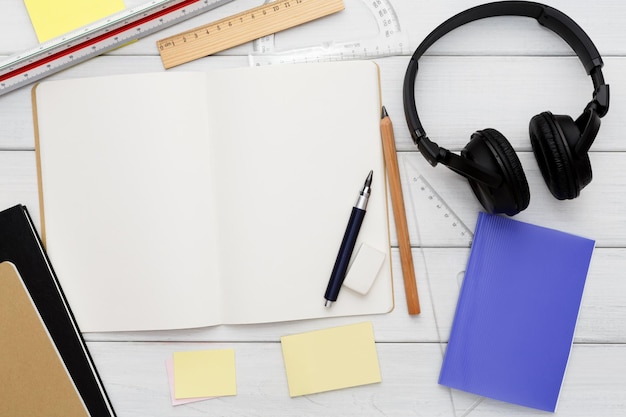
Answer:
[(197, 199)]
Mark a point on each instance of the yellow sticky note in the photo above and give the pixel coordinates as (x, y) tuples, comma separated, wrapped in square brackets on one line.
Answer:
[(204, 373), (54, 18), (330, 359)]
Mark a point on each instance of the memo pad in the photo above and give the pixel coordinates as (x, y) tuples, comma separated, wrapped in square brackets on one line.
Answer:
[(54, 18), (331, 359), (169, 368), (204, 373), (514, 323)]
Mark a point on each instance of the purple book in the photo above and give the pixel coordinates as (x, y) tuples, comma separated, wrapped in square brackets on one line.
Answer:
[(515, 318)]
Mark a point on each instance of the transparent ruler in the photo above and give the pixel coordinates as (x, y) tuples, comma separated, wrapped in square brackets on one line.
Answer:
[(433, 216), (389, 41), (95, 39)]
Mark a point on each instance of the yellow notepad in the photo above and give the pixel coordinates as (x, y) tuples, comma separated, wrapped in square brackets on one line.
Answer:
[(204, 373), (331, 359), (54, 18)]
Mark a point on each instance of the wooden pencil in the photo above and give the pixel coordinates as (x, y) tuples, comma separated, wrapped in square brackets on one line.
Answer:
[(397, 201)]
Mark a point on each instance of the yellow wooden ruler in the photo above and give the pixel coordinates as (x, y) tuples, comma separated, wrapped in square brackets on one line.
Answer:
[(241, 28)]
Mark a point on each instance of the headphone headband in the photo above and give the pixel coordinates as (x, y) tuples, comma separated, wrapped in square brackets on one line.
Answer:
[(545, 15)]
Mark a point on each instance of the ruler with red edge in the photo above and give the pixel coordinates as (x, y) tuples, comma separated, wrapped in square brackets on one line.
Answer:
[(95, 39)]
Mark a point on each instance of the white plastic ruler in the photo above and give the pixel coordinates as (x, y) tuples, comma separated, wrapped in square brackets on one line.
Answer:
[(433, 216), (390, 40), (97, 38)]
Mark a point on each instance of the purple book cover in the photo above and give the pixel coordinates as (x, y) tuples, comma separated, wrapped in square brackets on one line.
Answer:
[(517, 309)]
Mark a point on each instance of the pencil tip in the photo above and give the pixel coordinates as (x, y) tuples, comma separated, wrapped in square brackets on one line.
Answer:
[(384, 113)]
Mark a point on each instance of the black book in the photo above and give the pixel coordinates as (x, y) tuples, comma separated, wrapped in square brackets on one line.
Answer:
[(47, 369)]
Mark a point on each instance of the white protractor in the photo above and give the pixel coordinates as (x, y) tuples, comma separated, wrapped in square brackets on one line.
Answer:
[(389, 41), (433, 216)]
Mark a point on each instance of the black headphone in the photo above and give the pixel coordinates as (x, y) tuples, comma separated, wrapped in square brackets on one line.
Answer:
[(559, 143)]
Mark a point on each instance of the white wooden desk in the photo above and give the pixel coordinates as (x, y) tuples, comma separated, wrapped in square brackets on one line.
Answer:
[(495, 73)]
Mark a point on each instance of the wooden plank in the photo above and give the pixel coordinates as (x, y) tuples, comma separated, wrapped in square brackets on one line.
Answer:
[(457, 95), (134, 374), (439, 275), (596, 214), (516, 36), (505, 97)]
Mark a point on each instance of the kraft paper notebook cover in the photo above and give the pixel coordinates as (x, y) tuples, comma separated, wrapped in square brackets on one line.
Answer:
[(196, 199), (46, 368), (514, 324)]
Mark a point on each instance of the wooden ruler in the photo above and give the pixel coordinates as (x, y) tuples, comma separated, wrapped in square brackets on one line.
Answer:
[(241, 28)]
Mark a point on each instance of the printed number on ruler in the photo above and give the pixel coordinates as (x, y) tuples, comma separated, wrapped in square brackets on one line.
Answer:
[(432, 215), (241, 28), (97, 38), (389, 41)]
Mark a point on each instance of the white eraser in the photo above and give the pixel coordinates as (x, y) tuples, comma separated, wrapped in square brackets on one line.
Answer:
[(364, 269)]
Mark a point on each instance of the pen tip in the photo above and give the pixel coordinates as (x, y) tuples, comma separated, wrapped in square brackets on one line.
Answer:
[(368, 180), (384, 113)]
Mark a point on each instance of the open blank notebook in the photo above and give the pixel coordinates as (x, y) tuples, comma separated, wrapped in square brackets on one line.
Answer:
[(175, 200)]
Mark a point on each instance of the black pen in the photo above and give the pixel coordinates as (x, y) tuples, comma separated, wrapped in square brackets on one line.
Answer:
[(347, 244)]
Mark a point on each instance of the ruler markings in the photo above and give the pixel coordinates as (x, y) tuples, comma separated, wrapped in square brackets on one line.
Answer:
[(241, 28), (96, 39), (390, 40), (433, 215), (89, 41), (95, 29)]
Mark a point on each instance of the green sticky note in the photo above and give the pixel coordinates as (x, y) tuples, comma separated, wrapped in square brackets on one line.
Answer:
[(204, 373), (54, 18)]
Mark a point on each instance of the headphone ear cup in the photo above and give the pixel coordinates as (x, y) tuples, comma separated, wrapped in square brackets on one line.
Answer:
[(553, 139), (490, 149)]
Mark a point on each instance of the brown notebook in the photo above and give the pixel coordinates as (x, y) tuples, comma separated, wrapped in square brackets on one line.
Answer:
[(37, 379)]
